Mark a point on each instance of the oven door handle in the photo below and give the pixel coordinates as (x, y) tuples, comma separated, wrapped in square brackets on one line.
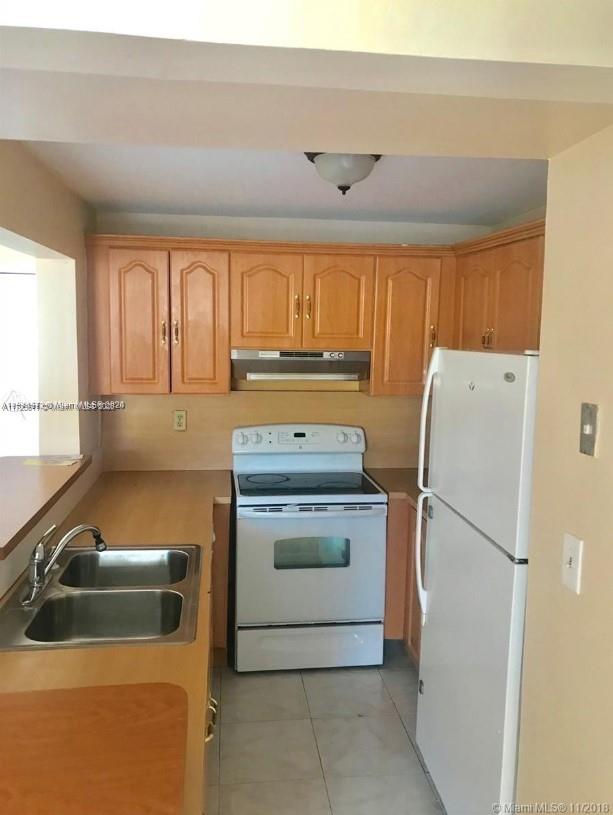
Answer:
[(285, 515)]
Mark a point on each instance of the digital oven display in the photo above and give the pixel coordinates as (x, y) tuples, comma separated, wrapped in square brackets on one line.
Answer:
[(300, 435)]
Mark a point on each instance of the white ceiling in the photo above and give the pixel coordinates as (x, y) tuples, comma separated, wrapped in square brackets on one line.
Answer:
[(261, 183)]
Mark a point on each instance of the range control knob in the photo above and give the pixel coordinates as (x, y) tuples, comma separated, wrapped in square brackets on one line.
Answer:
[(355, 437), (342, 437), (255, 438), (242, 438)]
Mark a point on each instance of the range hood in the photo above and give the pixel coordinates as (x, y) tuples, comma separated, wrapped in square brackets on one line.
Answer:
[(300, 370)]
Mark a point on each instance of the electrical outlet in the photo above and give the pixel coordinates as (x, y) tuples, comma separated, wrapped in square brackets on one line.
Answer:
[(179, 420), (572, 562)]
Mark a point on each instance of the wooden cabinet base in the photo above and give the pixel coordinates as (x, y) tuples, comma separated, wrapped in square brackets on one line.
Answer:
[(93, 751)]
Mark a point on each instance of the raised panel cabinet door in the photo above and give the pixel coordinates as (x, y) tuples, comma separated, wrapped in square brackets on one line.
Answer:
[(338, 301), (473, 299), (516, 295), (139, 316), (200, 314), (266, 300), (406, 317)]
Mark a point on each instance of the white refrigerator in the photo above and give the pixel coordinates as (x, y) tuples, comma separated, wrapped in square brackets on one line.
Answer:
[(472, 594)]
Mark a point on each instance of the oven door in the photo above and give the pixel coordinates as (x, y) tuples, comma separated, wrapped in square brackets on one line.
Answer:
[(316, 564)]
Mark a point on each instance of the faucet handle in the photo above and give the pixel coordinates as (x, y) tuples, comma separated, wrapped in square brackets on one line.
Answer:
[(46, 537)]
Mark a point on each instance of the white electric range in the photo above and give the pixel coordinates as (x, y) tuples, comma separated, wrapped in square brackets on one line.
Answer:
[(309, 549)]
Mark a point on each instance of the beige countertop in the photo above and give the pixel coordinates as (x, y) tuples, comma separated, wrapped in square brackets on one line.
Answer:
[(29, 486), (140, 508)]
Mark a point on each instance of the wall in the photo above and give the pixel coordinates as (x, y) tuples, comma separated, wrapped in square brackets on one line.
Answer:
[(38, 212), (500, 30), (141, 436), (566, 747), (284, 229), (37, 206)]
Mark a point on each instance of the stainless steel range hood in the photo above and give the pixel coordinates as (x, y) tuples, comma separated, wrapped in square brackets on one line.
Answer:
[(300, 370)]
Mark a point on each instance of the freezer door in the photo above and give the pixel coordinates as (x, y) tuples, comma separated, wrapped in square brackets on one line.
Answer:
[(470, 666), (481, 434)]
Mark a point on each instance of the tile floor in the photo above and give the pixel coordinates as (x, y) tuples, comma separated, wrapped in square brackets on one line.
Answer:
[(333, 742)]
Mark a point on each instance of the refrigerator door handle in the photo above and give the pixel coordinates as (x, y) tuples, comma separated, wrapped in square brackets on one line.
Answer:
[(423, 421), (422, 594)]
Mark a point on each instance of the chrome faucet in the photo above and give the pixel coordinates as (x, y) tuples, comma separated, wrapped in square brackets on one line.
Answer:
[(41, 565)]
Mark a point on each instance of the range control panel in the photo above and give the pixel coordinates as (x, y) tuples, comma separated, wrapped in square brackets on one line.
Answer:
[(289, 438)]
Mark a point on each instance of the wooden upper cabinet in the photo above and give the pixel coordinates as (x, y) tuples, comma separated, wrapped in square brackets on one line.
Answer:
[(140, 333), (266, 300), (406, 317), (338, 301), (474, 285), (199, 283), (516, 295)]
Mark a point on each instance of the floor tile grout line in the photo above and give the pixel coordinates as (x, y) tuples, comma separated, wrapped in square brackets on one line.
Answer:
[(321, 764)]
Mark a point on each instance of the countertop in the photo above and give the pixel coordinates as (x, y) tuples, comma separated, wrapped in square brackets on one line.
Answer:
[(140, 508), (28, 489)]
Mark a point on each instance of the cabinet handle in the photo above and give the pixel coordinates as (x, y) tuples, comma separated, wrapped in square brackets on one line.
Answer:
[(164, 337), (308, 307), (213, 709), (175, 331), (432, 336), (490, 337), (297, 307), (210, 734), (484, 337)]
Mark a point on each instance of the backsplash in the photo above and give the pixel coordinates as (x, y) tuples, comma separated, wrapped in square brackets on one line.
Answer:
[(141, 436)]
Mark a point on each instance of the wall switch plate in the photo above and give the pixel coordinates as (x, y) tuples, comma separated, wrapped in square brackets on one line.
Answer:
[(589, 426), (572, 562), (179, 421)]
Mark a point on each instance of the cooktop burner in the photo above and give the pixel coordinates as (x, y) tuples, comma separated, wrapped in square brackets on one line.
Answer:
[(326, 483)]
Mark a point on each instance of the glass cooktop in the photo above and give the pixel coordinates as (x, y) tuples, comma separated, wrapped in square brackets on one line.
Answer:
[(268, 484)]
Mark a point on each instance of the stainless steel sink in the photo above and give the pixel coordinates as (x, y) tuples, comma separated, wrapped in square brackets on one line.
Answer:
[(92, 615), (123, 595), (125, 567)]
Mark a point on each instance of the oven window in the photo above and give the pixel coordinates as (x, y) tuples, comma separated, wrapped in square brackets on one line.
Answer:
[(312, 553)]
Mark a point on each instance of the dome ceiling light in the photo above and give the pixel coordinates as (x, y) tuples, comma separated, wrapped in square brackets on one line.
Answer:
[(343, 169)]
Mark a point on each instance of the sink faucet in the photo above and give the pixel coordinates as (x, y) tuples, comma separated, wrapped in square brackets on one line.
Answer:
[(41, 565)]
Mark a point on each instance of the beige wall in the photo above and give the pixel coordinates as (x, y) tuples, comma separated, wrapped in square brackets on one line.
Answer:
[(141, 436), (480, 29), (36, 205), (566, 747), (285, 229)]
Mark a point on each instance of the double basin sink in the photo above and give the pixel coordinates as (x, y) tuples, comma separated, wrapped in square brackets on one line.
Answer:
[(140, 594)]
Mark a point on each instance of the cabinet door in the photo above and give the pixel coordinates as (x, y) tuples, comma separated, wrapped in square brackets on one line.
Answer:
[(473, 299), (266, 300), (338, 301), (199, 331), (406, 315), (138, 305), (516, 295)]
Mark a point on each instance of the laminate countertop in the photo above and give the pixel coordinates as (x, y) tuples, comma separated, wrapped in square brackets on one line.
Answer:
[(29, 486), (131, 508)]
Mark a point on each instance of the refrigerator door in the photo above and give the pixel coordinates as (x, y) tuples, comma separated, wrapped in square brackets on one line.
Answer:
[(481, 432), (470, 665)]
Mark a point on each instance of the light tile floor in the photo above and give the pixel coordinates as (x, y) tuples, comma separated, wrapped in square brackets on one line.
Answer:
[(333, 742)]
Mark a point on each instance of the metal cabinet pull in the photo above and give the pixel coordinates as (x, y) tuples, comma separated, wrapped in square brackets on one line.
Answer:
[(432, 336), (175, 331), (490, 339), (213, 707), (308, 307), (164, 336), (297, 307), (484, 338)]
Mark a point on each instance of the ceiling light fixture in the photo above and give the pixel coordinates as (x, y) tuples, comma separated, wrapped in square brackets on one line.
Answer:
[(343, 169)]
